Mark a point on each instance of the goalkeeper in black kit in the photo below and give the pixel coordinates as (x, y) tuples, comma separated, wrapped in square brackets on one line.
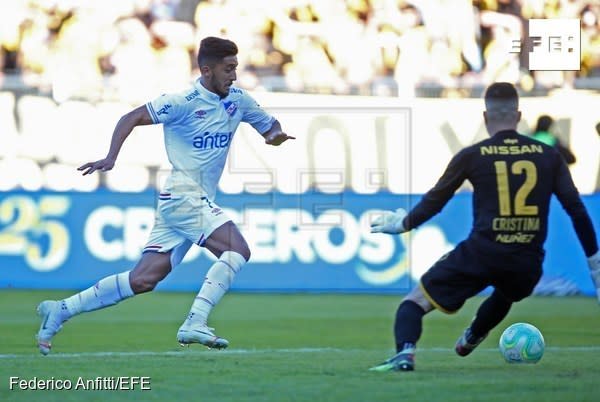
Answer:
[(513, 178)]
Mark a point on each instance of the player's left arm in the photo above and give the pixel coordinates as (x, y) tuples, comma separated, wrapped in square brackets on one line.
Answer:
[(275, 135)]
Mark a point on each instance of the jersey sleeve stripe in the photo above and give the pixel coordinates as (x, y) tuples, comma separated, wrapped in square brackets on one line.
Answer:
[(152, 113)]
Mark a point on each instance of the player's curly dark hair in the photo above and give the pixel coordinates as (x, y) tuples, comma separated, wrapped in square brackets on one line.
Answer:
[(213, 50)]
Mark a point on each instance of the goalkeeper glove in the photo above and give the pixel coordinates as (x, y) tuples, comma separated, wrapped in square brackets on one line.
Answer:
[(594, 265), (391, 222)]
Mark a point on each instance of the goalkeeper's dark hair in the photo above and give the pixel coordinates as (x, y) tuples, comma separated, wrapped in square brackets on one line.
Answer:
[(502, 95), (213, 50)]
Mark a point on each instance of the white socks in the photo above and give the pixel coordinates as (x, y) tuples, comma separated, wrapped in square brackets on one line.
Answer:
[(115, 288), (107, 292), (218, 280)]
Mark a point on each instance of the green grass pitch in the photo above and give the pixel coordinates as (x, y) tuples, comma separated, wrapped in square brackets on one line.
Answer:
[(300, 347)]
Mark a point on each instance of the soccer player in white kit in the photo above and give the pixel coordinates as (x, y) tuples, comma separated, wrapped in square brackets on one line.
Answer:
[(199, 125)]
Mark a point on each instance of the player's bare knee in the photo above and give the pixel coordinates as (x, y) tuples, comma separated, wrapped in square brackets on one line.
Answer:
[(141, 284), (240, 246), (244, 252), (146, 281), (417, 297)]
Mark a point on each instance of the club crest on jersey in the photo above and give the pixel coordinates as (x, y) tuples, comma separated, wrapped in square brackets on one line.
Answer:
[(230, 107), (200, 114)]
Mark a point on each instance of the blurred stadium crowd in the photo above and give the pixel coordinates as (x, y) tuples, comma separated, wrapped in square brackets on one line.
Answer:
[(69, 67), (131, 50)]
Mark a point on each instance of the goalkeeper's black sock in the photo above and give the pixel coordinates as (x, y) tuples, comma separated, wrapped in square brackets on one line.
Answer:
[(491, 312), (409, 324)]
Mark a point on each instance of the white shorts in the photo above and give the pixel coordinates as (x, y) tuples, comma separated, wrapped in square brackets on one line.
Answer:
[(182, 220)]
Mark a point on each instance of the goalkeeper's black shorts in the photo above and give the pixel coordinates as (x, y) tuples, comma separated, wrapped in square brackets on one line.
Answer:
[(464, 272)]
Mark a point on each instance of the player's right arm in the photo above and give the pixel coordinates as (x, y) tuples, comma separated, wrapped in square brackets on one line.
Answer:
[(137, 117), (569, 198), (437, 197), (431, 203)]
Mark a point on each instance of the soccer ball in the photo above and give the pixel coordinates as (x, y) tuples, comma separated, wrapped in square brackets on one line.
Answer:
[(522, 343)]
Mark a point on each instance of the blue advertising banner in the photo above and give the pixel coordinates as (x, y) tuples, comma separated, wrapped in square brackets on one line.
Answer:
[(313, 242)]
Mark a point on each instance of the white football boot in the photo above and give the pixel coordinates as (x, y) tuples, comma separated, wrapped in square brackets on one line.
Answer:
[(197, 332), (50, 313)]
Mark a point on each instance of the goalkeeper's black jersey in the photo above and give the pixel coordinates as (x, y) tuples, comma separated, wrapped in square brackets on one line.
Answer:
[(513, 179)]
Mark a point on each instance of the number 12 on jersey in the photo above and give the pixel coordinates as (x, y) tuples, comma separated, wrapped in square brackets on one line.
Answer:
[(520, 198)]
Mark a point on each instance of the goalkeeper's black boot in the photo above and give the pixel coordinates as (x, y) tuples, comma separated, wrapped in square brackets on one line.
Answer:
[(403, 361), (468, 342)]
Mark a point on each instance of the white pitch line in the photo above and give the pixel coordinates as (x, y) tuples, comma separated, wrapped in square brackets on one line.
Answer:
[(181, 353)]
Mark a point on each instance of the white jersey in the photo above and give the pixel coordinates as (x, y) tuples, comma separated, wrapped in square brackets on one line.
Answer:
[(198, 130)]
